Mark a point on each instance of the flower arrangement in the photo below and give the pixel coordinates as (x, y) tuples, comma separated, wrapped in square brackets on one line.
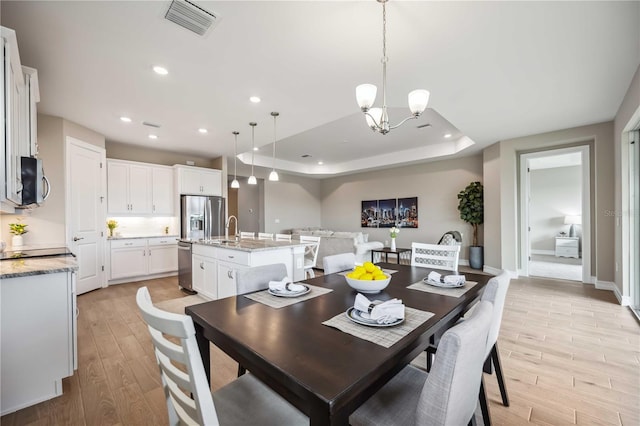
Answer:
[(394, 231), (18, 228), (111, 224)]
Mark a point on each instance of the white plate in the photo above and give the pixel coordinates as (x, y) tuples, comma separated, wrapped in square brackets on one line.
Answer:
[(286, 293), (354, 315), (440, 284)]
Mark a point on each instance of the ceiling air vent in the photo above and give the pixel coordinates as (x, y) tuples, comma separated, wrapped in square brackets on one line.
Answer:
[(146, 123), (190, 16)]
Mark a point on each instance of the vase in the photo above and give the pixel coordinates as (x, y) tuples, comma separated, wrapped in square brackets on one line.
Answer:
[(393, 244), (110, 232), (476, 257), (17, 241)]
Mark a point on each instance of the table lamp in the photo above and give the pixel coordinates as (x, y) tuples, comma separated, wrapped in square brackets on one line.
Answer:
[(572, 220)]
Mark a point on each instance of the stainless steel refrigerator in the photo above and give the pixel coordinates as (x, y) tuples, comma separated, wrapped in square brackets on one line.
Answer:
[(201, 218)]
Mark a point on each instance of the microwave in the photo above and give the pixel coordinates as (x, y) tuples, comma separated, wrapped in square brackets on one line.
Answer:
[(35, 185)]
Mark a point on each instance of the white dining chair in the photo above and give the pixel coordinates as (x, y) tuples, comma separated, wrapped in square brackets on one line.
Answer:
[(247, 235), (244, 401), (312, 245), (283, 237), (338, 262), (448, 395), (265, 236), (435, 256), (451, 238)]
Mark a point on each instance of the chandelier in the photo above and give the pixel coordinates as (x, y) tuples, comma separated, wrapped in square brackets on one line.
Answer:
[(377, 118)]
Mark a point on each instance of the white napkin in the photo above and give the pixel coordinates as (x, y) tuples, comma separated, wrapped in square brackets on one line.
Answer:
[(383, 313), (285, 285), (451, 280)]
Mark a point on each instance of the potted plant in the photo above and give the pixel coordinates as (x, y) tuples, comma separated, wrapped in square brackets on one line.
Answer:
[(112, 224), (17, 229), (471, 208)]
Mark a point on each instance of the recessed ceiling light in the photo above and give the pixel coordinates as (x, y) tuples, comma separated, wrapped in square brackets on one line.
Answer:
[(160, 70), (125, 119), (254, 99), (320, 163), (255, 148), (447, 135), (203, 130), (152, 136)]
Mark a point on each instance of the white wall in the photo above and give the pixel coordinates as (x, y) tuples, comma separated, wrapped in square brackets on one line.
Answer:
[(555, 193), (436, 185)]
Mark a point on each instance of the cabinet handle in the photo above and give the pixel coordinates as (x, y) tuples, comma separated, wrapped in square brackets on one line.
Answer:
[(154, 207), (230, 274), (201, 265), (128, 244), (149, 252)]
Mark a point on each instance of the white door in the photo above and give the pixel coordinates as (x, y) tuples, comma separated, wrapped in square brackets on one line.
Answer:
[(85, 216)]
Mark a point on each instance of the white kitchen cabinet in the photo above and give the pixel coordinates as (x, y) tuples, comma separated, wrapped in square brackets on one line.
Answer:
[(128, 188), (139, 258), (162, 194), (204, 270), (227, 278), (128, 258), (38, 338), (163, 255), (198, 180), (19, 125)]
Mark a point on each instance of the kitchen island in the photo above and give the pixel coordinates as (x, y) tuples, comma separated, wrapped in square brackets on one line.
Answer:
[(38, 328), (216, 261)]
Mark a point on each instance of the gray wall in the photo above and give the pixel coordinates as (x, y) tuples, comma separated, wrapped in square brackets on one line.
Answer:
[(503, 234), (293, 201), (123, 151), (436, 185), (555, 193), (250, 206)]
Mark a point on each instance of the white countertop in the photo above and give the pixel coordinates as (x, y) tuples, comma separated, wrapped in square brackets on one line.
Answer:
[(246, 244), (13, 268), (131, 237)]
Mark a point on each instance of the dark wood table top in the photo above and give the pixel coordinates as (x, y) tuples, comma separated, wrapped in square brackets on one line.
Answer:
[(324, 372)]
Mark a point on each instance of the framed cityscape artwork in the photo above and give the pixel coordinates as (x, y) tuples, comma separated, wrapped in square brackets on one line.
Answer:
[(402, 212)]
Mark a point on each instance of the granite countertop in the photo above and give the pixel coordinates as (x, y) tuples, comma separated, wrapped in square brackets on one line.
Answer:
[(133, 237), (246, 244), (13, 268)]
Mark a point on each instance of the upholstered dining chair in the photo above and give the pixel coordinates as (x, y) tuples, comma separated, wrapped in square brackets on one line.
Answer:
[(312, 246), (265, 236), (451, 238), (257, 278), (283, 237), (187, 394), (435, 256), (448, 395), (496, 293), (338, 262), (247, 235)]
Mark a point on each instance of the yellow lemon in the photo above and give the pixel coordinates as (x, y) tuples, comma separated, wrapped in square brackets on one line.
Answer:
[(366, 277), (356, 275), (360, 269), (370, 267), (378, 277)]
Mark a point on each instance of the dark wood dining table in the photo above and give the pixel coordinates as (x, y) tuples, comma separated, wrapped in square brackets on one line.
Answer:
[(324, 372)]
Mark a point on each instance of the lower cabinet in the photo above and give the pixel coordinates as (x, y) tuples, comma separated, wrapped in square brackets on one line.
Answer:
[(204, 275), (227, 278), (37, 338), (141, 257)]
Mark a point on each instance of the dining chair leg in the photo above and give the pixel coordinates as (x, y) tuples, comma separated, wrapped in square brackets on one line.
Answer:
[(484, 406), (241, 370), (431, 351), (496, 363)]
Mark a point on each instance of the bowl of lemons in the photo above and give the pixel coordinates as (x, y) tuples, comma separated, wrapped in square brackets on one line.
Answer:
[(368, 278)]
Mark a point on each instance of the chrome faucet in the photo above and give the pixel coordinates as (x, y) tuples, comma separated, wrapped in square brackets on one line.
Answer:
[(226, 227)]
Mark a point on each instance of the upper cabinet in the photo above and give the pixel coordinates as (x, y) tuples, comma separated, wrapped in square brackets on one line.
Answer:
[(139, 188), (18, 104), (198, 180)]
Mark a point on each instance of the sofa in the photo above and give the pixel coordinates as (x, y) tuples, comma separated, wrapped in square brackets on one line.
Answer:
[(335, 242)]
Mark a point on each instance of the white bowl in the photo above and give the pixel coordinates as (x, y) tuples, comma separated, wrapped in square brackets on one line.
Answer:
[(369, 286)]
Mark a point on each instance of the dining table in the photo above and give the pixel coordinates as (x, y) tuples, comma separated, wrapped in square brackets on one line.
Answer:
[(324, 372)]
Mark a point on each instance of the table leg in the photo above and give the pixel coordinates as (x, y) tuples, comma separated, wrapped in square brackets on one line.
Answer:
[(203, 346), (321, 417)]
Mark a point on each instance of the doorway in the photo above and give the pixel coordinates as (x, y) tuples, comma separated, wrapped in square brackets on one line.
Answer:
[(555, 214)]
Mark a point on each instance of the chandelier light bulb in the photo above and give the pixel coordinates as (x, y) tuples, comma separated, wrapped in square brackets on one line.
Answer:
[(374, 117), (418, 100), (366, 96)]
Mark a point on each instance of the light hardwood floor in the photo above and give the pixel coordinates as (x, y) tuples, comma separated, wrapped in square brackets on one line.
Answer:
[(570, 353)]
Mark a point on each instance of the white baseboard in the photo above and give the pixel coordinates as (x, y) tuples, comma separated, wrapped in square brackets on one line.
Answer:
[(623, 300), (544, 252), (496, 271), (463, 262), (141, 278)]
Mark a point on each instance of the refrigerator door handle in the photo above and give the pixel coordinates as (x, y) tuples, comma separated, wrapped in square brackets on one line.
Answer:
[(210, 218), (207, 235)]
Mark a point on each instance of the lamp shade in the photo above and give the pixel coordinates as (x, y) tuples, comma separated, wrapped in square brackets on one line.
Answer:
[(418, 100), (273, 176), (376, 113), (573, 220), (235, 184), (366, 95), (252, 180)]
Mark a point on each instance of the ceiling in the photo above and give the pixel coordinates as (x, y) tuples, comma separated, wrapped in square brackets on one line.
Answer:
[(495, 70)]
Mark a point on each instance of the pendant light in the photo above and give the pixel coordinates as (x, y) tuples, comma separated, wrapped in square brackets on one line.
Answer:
[(235, 184), (273, 176), (252, 179)]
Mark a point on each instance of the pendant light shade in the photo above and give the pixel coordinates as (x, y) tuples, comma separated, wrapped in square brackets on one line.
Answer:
[(252, 179), (273, 176), (235, 184)]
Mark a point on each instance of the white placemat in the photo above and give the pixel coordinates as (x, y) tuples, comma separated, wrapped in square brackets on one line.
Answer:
[(280, 302), (453, 292), (383, 336)]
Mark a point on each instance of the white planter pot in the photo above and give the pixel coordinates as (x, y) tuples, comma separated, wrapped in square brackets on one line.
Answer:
[(17, 241)]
